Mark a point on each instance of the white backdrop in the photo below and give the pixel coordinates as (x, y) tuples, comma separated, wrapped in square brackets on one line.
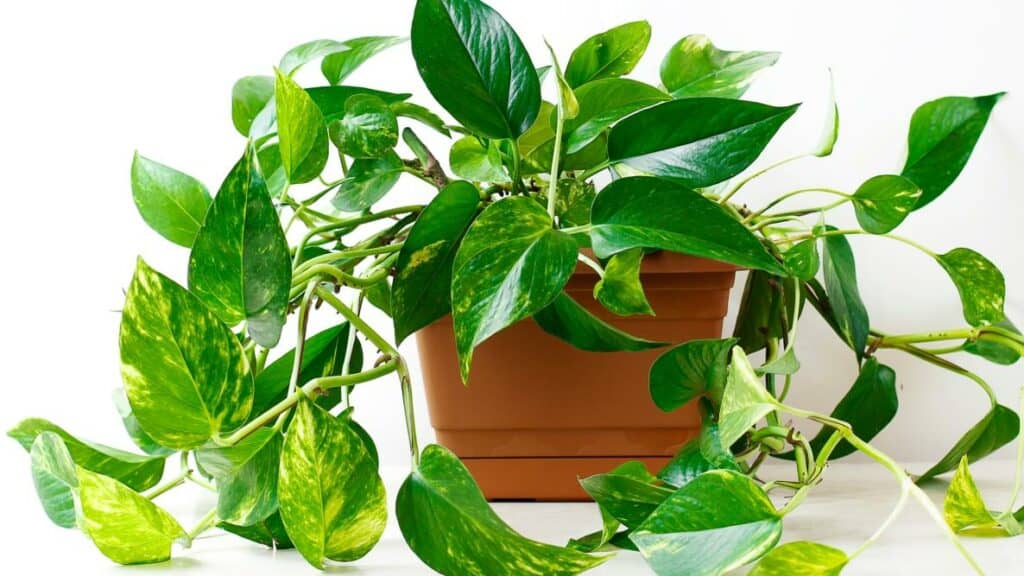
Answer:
[(86, 83)]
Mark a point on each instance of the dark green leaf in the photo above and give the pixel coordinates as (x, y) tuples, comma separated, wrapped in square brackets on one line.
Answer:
[(448, 524), (745, 401), (980, 284), (718, 522), (993, 351), (536, 145), (248, 97), (510, 265), (302, 133), (696, 141), (653, 213), (240, 266), (184, 371), (420, 114), (421, 292), (695, 67), (628, 493), (609, 54), (996, 429), (171, 202), (270, 532), (942, 136), (882, 202), (604, 102), (801, 559), (572, 205), (472, 160), (136, 471), (331, 496), (307, 52), (475, 66), (331, 100), (766, 311), (338, 65), (368, 180), (568, 320), (368, 129), (698, 456), (249, 495), (53, 473), (619, 290), (843, 293), (134, 430), (689, 370), (802, 259)]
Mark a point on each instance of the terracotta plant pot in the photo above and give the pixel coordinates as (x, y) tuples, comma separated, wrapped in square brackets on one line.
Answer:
[(538, 413)]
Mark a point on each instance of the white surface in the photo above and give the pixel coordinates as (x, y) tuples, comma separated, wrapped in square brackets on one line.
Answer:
[(843, 512)]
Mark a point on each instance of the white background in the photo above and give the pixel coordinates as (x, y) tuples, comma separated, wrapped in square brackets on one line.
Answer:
[(86, 83)]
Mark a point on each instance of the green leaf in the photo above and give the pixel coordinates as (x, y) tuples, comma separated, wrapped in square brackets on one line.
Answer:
[(184, 371), (269, 160), (609, 54), (801, 558), (699, 455), (420, 114), (802, 259), (942, 136), (331, 496), (368, 129), (995, 352), (270, 532), (718, 522), (653, 213), (126, 527), (963, 506), (689, 370), (766, 311), (134, 430), (572, 205), (53, 473), (476, 67), (368, 180), (570, 321), (566, 97), (745, 401), (223, 462), (882, 202), (843, 293), (980, 284), (331, 100), (172, 203), (629, 493), (784, 365), (307, 52), (472, 160), (137, 471), (697, 141), (249, 495), (421, 292), (302, 133), (338, 65), (619, 290), (595, 540), (604, 102), (996, 429), (510, 265), (695, 67), (240, 266), (448, 524), (536, 145), (830, 134), (249, 96)]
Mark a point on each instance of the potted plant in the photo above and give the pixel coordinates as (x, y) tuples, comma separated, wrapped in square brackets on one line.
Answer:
[(523, 225)]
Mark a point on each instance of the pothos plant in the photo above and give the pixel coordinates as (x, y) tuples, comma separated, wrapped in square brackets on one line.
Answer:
[(297, 224)]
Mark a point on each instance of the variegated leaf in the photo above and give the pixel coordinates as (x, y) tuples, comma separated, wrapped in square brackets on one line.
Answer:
[(53, 472)]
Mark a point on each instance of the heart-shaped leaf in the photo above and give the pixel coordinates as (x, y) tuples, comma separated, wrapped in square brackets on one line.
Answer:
[(695, 67), (249, 96), (570, 321), (249, 495), (368, 180), (510, 265), (338, 65), (476, 67), (963, 507), (473, 160), (184, 371), (718, 522), (980, 284), (942, 136), (136, 471), (745, 400), (696, 141), (331, 496), (302, 133), (996, 429), (766, 310), (604, 102), (802, 259), (421, 291), (629, 493), (269, 532), (689, 370), (653, 213), (125, 526), (882, 202), (449, 525), (803, 558), (240, 266), (609, 54), (844, 294), (368, 129), (619, 290), (994, 351), (698, 456), (172, 203), (53, 472)]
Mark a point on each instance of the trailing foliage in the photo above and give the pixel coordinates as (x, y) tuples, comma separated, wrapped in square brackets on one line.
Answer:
[(306, 217)]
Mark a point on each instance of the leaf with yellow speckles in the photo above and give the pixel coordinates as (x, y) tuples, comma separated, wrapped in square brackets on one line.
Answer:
[(302, 132), (449, 525), (980, 284), (801, 559), (184, 372), (882, 202)]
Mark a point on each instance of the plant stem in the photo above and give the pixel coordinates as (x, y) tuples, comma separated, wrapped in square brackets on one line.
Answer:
[(592, 171), (517, 168), (1018, 471), (958, 334), (787, 195), (760, 172), (350, 343), (555, 157), (348, 254), (349, 222), (191, 477), (815, 210), (168, 486), (207, 522), (596, 266), (946, 364), (302, 322)]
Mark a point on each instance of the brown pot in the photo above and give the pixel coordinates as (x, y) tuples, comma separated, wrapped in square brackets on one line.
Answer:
[(538, 414)]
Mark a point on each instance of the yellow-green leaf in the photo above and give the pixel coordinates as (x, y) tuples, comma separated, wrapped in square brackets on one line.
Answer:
[(801, 559)]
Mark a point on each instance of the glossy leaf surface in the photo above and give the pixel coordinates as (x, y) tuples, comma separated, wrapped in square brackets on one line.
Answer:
[(699, 455), (690, 370), (629, 493), (882, 202), (980, 284), (963, 506), (249, 96), (745, 401), (609, 54), (844, 293), (604, 102), (803, 260), (570, 321), (249, 495), (172, 203), (993, 351), (472, 160), (620, 290), (695, 67), (55, 478), (269, 532), (368, 180), (368, 129), (801, 558), (307, 52), (134, 430), (998, 427), (337, 66), (302, 132)]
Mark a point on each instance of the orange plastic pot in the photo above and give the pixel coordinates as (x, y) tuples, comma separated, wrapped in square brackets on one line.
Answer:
[(538, 414)]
